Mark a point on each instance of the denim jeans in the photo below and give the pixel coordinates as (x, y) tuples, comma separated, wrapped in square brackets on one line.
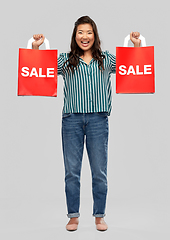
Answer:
[(91, 129)]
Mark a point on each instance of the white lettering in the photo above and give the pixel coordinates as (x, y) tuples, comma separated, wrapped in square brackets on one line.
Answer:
[(137, 70), (25, 72), (122, 70), (40, 73), (147, 68), (34, 72), (50, 71), (131, 70), (134, 70)]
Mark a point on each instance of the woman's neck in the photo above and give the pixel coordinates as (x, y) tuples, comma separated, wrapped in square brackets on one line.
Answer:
[(87, 53), (87, 56)]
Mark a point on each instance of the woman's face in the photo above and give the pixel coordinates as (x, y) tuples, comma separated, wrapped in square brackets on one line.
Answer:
[(85, 36)]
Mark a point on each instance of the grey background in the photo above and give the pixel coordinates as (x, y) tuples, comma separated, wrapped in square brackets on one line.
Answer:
[(32, 199)]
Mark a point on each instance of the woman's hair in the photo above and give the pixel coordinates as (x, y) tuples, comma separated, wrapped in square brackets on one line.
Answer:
[(76, 51)]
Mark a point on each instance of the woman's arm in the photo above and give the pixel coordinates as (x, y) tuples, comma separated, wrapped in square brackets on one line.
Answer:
[(134, 37), (39, 39)]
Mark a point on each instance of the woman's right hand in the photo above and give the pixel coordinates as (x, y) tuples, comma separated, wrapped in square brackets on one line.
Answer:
[(39, 39)]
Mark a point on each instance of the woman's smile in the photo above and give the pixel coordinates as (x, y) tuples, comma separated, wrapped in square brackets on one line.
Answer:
[(85, 43)]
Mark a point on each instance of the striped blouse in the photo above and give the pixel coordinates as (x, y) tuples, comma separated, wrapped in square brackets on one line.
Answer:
[(88, 89)]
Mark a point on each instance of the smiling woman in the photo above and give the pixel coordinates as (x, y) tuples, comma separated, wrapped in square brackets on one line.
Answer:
[(86, 71)]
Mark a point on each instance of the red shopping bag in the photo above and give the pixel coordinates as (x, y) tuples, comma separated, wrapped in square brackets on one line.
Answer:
[(37, 71), (135, 68)]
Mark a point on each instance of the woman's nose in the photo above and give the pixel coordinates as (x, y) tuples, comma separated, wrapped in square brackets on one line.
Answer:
[(84, 35)]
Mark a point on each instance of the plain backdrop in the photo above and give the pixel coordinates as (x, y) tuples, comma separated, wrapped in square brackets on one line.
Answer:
[(32, 198)]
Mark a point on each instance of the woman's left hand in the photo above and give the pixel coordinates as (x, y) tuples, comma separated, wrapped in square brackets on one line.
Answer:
[(134, 37)]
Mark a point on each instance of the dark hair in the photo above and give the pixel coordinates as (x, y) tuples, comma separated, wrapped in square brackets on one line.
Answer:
[(76, 51)]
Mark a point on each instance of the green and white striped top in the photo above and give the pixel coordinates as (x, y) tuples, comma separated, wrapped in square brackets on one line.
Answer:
[(88, 89)]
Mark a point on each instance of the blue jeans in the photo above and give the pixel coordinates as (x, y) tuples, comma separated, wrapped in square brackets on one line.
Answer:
[(93, 129)]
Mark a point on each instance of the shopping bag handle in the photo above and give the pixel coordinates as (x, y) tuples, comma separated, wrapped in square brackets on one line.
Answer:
[(29, 45), (143, 41)]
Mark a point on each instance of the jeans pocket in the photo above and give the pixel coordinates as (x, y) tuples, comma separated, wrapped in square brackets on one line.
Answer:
[(65, 115), (102, 114)]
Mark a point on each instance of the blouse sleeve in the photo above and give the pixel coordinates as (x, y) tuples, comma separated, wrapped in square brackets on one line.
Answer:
[(112, 62), (61, 61)]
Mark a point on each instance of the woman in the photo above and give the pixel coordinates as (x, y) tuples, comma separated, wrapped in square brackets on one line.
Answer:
[(86, 72)]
